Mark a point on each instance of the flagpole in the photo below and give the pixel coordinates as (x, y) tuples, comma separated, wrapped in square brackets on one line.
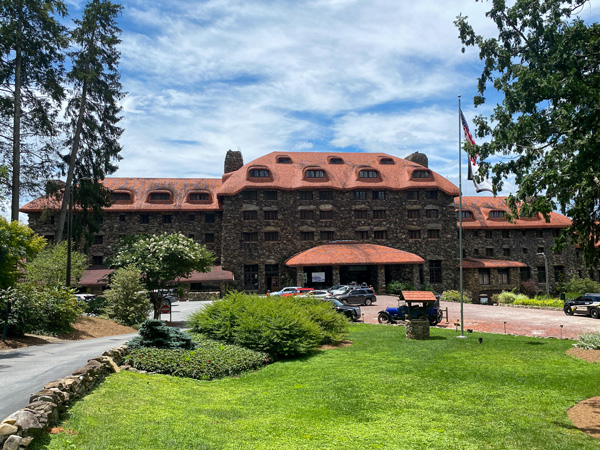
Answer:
[(460, 220)]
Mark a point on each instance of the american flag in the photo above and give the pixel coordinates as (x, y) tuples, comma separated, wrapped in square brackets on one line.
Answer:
[(485, 184)]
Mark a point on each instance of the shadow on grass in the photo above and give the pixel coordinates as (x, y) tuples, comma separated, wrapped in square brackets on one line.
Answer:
[(535, 343)]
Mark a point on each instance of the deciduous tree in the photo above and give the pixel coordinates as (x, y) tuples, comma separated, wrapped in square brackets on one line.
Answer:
[(18, 243), (49, 267)]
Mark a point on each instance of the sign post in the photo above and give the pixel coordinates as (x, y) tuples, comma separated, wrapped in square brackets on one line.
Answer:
[(166, 309)]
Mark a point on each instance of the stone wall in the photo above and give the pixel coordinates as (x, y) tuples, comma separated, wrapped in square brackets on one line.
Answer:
[(19, 429)]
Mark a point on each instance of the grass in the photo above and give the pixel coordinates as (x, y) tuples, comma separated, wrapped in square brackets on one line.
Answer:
[(383, 392)]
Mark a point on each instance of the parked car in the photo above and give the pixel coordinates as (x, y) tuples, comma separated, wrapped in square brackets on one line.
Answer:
[(351, 312), (335, 288), (357, 297), (317, 294), (340, 290), (285, 290), (588, 304), (85, 297), (168, 295), (298, 291), (395, 314)]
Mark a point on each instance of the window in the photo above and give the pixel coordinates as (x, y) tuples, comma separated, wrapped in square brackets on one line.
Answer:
[(413, 213), (476, 251), (539, 233), (414, 234), (121, 196), (191, 218), (250, 215), (555, 232), (122, 218), (435, 271), (412, 195), (361, 214), (368, 174), (259, 173), (314, 173), (249, 195), (421, 174), (465, 214), (541, 271), (525, 273), (97, 260), (380, 234), (270, 195), (326, 215), (488, 234), (496, 214), (540, 250), (251, 276), (506, 252), (307, 214), (503, 277), (199, 196), (362, 235), (523, 233), (525, 250), (327, 235), (559, 274), (144, 218), (489, 251), (209, 238), (431, 213), (271, 236), (360, 195), (306, 195), (386, 161), (284, 160), (431, 195), (433, 234), (270, 215), (378, 195), (484, 276), (379, 214), (191, 236), (167, 218), (334, 160), (209, 218), (250, 236), (307, 235), (476, 233), (98, 239), (506, 234), (325, 195), (160, 196)]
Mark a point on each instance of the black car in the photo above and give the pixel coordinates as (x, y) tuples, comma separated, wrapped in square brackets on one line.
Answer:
[(358, 297), (588, 304), (351, 312)]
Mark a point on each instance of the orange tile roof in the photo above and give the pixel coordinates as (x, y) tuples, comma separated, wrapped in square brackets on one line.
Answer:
[(418, 296), (479, 263), (344, 176), (99, 277), (350, 252), (480, 208), (140, 189)]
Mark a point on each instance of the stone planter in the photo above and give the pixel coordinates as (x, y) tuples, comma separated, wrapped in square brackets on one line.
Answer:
[(417, 329)]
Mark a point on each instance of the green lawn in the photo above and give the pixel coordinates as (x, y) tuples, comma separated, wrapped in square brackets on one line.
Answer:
[(382, 392)]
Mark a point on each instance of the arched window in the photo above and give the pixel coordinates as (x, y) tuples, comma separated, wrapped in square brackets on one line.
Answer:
[(160, 197), (496, 214), (386, 161), (284, 160), (121, 196), (194, 197), (465, 214), (368, 173), (421, 174), (335, 160), (259, 173), (314, 173)]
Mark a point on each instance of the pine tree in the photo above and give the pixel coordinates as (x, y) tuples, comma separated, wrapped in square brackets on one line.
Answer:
[(32, 42), (93, 112)]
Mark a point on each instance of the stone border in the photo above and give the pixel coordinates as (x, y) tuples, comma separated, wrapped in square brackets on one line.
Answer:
[(19, 429)]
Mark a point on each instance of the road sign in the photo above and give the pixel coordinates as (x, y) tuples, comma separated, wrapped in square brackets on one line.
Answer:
[(165, 309)]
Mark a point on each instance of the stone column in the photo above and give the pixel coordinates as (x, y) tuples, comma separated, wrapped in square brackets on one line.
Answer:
[(380, 279), (416, 282), (335, 273), (300, 276)]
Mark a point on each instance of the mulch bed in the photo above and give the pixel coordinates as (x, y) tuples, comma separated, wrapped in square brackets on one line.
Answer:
[(585, 415)]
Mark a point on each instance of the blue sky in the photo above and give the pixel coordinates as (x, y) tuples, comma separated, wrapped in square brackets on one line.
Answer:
[(319, 75)]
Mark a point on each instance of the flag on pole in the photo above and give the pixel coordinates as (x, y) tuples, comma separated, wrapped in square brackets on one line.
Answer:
[(485, 184)]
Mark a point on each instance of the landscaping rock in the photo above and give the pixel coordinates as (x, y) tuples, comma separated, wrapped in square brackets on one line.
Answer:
[(7, 429), (12, 443), (27, 421)]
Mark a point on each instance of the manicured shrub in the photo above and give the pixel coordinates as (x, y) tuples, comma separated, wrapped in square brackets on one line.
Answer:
[(588, 341), (581, 285), (507, 297), (96, 306), (154, 333), (529, 288), (126, 300), (334, 326), (210, 360), (396, 287), (454, 296), (546, 303)]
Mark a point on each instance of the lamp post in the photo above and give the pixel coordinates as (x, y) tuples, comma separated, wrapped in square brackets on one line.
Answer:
[(546, 268), (70, 229)]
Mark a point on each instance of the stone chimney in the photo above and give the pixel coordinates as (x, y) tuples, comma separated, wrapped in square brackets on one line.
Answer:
[(233, 161), (419, 158)]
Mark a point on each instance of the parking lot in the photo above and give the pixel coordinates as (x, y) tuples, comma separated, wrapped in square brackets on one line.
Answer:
[(501, 319)]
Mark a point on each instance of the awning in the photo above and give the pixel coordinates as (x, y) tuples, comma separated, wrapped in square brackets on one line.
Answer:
[(352, 253), (478, 263)]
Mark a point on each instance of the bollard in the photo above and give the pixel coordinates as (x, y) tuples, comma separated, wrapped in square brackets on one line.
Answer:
[(561, 328), (505, 327)]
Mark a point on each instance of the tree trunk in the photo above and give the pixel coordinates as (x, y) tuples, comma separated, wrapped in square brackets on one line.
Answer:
[(16, 160)]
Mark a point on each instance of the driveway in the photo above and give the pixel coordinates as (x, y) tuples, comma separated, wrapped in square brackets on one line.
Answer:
[(501, 319)]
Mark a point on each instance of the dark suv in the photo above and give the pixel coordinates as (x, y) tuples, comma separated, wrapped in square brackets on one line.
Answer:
[(358, 297), (588, 304)]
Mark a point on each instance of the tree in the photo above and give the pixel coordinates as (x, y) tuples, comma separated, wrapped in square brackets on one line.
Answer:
[(31, 54), (546, 63), (18, 243), (93, 112), (127, 302), (161, 260), (49, 267)]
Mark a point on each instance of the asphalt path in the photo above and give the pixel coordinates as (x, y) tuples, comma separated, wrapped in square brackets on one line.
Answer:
[(25, 371)]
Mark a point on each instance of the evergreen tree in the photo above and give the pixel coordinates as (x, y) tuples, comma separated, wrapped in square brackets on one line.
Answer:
[(31, 54), (93, 114)]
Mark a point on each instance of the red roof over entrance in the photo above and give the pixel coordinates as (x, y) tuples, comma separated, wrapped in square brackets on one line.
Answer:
[(352, 253), (477, 263)]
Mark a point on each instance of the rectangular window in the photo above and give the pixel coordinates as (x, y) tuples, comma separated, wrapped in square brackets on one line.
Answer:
[(414, 234), (259, 173), (380, 234), (488, 234), (559, 273), (431, 213), (413, 213), (144, 218), (250, 236), (307, 235), (160, 196), (97, 260), (326, 215), (433, 234), (523, 233), (191, 218), (503, 277), (506, 234), (305, 195), (209, 218), (555, 232), (541, 272), (361, 214), (271, 236), (412, 195), (506, 252), (435, 271), (166, 218), (325, 195), (525, 250), (199, 196), (379, 214), (362, 235), (378, 195), (476, 251), (368, 174), (476, 233), (360, 195), (270, 215), (251, 276), (540, 250), (431, 195), (314, 174), (525, 273), (327, 235), (489, 251), (209, 238), (484, 276), (270, 195), (122, 218), (191, 236), (249, 195), (496, 214), (539, 233), (98, 239), (307, 214), (250, 215)]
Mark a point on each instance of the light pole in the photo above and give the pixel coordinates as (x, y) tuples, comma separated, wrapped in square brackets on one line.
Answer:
[(546, 268), (70, 229)]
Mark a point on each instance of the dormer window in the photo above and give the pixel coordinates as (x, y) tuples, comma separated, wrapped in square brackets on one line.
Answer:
[(194, 197), (368, 174), (465, 214), (496, 214), (259, 173), (336, 160), (386, 161), (121, 197), (314, 173), (421, 174), (284, 160), (160, 197)]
